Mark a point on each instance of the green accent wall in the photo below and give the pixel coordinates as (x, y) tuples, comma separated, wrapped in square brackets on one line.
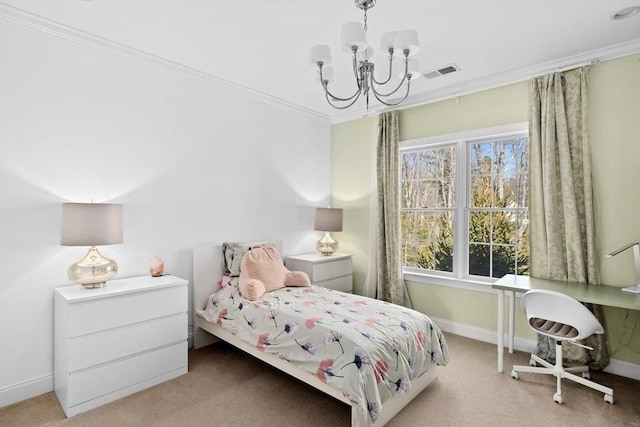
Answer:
[(501, 106), (352, 163), (614, 129)]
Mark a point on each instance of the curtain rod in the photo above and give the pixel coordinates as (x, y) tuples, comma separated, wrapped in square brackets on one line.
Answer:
[(458, 95), (593, 62)]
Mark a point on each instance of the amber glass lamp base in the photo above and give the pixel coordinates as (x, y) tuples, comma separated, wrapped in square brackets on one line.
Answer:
[(93, 271), (326, 246)]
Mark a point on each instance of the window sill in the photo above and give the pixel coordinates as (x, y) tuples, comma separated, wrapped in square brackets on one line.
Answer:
[(450, 282)]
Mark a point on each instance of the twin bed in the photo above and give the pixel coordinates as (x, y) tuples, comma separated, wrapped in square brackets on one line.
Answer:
[(369, 354)]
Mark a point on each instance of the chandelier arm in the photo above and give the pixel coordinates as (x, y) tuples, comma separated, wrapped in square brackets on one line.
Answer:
[(404, 78), (389, 93), (337, 98), (327, 94), (393, 104), (390, 74), (326, 89)]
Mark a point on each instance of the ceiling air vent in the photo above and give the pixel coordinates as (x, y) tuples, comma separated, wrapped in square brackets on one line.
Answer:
[(451, 68)]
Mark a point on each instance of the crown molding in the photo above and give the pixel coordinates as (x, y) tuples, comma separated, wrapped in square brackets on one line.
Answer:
[(592, 57), (34, 22), (29, 20)]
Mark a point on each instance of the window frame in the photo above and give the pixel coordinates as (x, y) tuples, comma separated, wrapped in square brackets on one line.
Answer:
[(459, 277)]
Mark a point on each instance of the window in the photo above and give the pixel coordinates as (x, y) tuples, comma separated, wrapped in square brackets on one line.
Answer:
[(464, 210)]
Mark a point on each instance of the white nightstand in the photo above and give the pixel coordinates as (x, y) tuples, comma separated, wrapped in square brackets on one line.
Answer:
[(333, 271), (114, 341)]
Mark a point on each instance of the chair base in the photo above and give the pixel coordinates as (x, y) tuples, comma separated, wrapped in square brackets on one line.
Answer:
[(561, 372)]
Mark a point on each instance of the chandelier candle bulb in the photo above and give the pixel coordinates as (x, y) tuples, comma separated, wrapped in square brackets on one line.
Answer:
[(353, 35), (365, 54), (320, 53)]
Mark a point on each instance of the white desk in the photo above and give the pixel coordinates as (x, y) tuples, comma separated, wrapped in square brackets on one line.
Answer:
[(595, 294)]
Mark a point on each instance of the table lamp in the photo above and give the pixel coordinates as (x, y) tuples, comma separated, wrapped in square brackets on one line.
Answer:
[(91, 224), (327, 220), (636, 260)]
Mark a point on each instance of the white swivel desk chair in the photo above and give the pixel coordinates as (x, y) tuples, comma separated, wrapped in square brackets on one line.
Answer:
[(562, 318)]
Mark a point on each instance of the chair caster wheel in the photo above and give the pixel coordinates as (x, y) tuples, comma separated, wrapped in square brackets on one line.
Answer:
[(586, 375), (532, 362), (515, 375), (608, 398), (557, 398)]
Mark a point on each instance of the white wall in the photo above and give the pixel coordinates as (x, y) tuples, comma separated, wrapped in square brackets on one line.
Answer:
[(193, 162)]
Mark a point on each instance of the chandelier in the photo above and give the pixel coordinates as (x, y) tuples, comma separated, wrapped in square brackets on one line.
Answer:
[(403, 44)]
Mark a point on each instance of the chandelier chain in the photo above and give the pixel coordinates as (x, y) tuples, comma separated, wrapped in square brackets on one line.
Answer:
[(365, 20)]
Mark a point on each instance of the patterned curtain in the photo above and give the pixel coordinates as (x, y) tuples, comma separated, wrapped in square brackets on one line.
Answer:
[(385, 271), (561, 206)]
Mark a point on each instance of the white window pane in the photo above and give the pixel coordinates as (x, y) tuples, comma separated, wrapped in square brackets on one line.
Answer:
[(494, 179)]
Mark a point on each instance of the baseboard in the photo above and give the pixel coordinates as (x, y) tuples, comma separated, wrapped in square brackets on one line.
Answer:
[(623, 368), (26, 390), (484, 335), (616, 366)]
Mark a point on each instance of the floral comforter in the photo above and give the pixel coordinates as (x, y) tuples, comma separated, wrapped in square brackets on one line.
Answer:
[(368, 349)]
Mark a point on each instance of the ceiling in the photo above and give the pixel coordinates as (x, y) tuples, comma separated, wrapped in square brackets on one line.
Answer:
[(263, 45)]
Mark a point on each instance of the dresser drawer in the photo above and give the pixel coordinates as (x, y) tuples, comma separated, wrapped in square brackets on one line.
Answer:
[(95, 349), (93, 383), (101, 314), (328, 270), (344, 283)]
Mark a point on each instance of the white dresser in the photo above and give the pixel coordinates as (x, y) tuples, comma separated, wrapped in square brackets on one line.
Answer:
[(117, 340), (333, 271)]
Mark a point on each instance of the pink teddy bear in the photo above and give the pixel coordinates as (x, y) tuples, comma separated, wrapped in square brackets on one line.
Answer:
[(262, 270)]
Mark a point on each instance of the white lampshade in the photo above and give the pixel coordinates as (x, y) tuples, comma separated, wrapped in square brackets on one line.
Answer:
[(406, 39), (387, 41), (414, 69), (91, 224), (353, 35), (320, 53), (328, 219), (328, 74)]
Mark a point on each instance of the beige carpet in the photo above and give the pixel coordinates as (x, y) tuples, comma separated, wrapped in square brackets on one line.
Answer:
[(225, 387)]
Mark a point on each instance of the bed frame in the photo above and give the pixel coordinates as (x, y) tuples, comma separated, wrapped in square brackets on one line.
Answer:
[(207, 269)]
